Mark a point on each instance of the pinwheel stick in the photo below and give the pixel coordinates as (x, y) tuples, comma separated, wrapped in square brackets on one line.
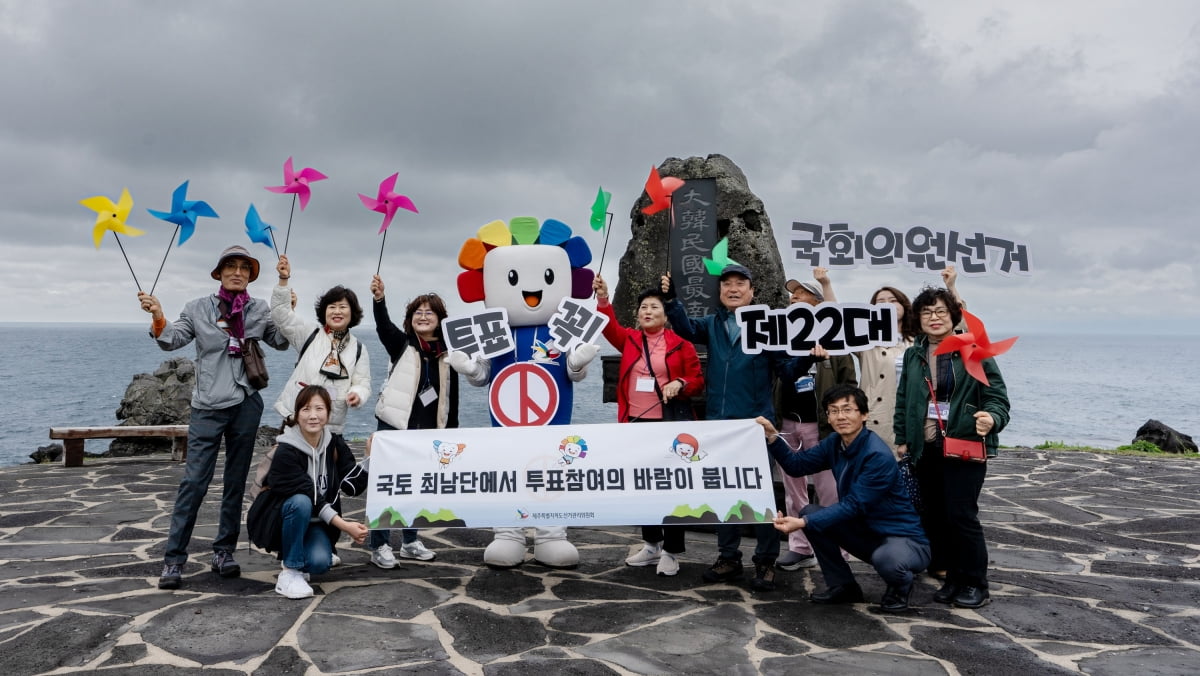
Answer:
[(604, 249), (164, 260), (288, 235), (274, 245), (135, 279), (379, 265)]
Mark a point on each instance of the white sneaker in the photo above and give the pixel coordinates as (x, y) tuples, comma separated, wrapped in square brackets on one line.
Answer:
[(649, 554), (668, 566), (283, 566), (382, 557), (292, 585), (416, 550), (337, 561)]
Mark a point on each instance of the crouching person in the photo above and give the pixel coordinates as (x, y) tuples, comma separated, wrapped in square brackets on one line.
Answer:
[(298, 514), (873, 519)]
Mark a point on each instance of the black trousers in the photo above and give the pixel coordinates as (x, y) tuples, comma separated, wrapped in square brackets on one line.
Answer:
[(950, 492)]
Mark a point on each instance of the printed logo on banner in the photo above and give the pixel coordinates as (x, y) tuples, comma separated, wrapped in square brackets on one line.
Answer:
[(841, 328), (919, 248), (575, 324), (523, 394), (445, 452), (484, 334)]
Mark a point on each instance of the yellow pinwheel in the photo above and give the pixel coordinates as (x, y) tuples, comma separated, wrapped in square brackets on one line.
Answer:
[(111, 216)]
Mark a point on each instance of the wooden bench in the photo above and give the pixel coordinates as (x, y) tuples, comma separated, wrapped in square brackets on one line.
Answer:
[(72, 438)]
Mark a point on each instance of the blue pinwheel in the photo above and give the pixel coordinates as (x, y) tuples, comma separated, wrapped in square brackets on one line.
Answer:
[(184, 212), (259, 231)]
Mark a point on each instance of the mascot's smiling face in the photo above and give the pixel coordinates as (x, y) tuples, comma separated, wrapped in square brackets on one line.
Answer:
[(528, 281)]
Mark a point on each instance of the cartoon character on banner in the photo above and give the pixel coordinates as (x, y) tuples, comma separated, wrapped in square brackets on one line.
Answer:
[(527, 269)]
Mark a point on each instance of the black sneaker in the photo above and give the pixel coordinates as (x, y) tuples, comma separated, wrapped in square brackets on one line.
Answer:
[(764, 576), (895, 600), (172, 575), (842, 593), (224, 565), (947, 593), (724, 570), (972, 597)]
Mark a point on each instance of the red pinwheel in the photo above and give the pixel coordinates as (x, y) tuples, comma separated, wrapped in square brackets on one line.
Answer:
[(974, 346), (659, 190), (297, 182), (387, 201)]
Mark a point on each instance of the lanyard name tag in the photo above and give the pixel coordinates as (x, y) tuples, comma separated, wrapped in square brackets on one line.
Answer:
[(938, 408), (427, 396), (644, 384), (805, 384)]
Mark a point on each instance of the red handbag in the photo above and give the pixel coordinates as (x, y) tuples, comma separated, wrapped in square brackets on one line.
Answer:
[(959, 449)]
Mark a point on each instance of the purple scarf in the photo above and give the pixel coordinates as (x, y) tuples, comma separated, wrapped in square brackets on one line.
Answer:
[(231, 305)]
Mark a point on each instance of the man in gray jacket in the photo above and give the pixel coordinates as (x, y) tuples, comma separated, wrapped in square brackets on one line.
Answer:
[(224, 404)]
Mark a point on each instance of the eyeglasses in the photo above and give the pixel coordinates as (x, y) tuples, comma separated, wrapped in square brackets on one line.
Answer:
[(239, 266), (424, 313), (843, 412), (939, 312)]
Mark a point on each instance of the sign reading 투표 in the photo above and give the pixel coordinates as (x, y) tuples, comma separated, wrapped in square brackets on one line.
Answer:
[(571, 475)]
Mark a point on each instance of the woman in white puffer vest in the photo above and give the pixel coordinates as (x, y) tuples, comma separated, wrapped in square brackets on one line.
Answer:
[(421, 392), (328, 354)]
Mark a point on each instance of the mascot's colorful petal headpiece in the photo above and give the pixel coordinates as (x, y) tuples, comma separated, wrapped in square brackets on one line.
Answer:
[(518, 231), (974, 346)]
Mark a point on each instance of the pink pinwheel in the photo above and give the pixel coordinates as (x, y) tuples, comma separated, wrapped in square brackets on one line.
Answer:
[(659, 190), (297, 183), (974, 346), (387, 201)]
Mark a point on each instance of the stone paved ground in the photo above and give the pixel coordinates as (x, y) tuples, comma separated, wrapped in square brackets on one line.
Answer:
[(1095, 569)]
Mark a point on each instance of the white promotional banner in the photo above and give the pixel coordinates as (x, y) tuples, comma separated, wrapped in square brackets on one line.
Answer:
[(687, 472)]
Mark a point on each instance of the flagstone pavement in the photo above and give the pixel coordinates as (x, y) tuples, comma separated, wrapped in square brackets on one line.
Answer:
[(1095, 568)]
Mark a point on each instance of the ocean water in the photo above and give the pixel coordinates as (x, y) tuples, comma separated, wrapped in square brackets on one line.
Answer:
[(1062, 387)]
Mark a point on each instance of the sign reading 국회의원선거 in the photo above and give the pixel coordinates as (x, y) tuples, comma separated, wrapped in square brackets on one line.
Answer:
[(571, 475)]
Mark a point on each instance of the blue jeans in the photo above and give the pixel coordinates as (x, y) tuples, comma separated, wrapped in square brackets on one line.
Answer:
[(238, 426), (896, 559), (766, 548), (382, 537), (306, 544)]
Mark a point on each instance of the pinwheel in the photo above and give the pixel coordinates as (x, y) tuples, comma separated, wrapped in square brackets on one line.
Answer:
[(112, 217), (974, 346), (601, 215), (258, 231), (387, 202), (183, 214), (297, 185), (720, 258), (659, 190)]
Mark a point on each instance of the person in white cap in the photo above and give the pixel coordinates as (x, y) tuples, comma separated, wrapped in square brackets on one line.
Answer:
[(224, 404)]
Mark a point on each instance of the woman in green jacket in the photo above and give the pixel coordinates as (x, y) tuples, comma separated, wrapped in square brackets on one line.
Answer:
[(968, 409)]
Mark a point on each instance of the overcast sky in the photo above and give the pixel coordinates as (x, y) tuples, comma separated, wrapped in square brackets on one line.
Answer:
[(1072, 126)]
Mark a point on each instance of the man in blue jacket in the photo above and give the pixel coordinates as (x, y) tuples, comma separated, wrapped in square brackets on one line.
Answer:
[(874, 518)]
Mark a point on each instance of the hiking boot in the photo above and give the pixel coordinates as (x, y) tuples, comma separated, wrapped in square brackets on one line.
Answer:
[(224, 565), (668, 565), (947, 593), (416, 550), (172, 575), (895, 600), (795, 561), (724, 570), (291, 584), (764, 576), (842, 593), (382, 556), (972, 597), (648, 555)]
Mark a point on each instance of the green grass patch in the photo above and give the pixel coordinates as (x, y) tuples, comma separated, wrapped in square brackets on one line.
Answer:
[(1143, 448)]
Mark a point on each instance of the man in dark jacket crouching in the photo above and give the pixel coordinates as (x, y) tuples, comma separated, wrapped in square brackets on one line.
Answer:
[(873, 519)]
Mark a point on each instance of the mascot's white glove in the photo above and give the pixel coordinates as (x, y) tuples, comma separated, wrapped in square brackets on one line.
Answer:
[(464, 364), (580, 357)]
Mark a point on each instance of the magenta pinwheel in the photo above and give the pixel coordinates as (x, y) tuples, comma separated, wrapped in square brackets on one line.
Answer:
[(297, 182), (387, 201), (974, 346)]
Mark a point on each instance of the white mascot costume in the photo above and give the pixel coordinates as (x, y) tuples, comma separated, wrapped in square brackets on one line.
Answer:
[(527, 269)]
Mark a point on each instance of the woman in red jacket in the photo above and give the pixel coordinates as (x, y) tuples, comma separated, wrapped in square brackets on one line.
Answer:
[(658, 369)]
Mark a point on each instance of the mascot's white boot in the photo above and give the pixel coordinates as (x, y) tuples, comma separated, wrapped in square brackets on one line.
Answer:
[(551, 548), (507, 549)]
